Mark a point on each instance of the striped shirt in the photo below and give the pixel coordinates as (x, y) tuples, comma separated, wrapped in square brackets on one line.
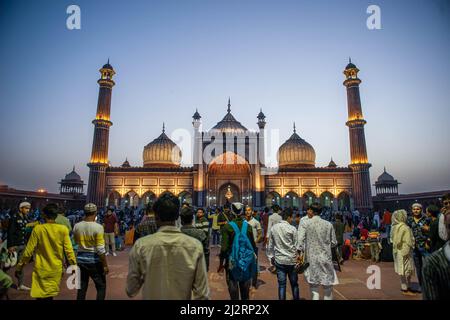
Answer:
[(436, 275), (90, 239), (203, 224)]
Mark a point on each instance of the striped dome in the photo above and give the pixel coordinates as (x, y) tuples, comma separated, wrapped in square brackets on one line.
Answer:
[(162, 152), (296, 153)]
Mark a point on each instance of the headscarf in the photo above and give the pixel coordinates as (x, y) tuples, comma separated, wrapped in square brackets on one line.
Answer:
[(399, 227), (399, 216)]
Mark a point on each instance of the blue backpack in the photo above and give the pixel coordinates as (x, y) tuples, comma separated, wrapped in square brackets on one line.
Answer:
[(242, 262)]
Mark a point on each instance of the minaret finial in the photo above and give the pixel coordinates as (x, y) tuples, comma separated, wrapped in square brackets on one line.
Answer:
[(229, 105), (73, 168), (294, 128), (384, 168), (164, 127)]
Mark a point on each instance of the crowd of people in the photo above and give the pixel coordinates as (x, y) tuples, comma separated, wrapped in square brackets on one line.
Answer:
[(171, 242)]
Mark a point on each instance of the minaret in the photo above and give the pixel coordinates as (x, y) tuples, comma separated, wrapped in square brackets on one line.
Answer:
[(199, 195), (259, 173), (360, 165), (99, 156)]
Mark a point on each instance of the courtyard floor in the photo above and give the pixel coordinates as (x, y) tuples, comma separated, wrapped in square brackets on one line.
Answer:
[(352, 282)]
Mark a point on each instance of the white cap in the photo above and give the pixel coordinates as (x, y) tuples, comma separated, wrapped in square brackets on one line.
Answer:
[(24, 204)]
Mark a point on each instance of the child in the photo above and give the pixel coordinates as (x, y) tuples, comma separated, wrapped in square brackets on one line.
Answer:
[(50, 241)]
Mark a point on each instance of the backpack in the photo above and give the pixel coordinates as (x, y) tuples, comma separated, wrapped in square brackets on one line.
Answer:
[(242, 262)]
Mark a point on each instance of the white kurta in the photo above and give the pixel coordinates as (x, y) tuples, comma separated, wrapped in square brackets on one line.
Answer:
[(316, 237)]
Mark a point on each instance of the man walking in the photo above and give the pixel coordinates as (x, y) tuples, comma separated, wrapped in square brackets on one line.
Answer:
[(339, 229), (201, 222), (51, 244), (16, 240), (387, 217), (436, 271), (187, 217), (282, 251), (418, 223), (147, 225), (111, 226), (274, 218), (257, 237), (215, 228), (167, 265), (316, 239), (230, 252), (89, 236)]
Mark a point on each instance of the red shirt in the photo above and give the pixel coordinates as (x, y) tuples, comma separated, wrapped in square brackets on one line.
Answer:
[(110, 221), (364, 233), (387, 218)]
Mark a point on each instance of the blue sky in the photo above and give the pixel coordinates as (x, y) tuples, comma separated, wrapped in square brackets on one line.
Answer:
[(172, 57)]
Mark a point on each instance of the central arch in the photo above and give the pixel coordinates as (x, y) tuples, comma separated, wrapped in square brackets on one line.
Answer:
[(229, 169), (234, 191)]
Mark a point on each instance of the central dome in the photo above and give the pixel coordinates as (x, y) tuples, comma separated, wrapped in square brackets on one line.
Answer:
[(229, 123), (296, 153), (162, 152)]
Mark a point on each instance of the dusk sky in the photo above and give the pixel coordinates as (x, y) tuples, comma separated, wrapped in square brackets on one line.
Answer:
[(172, 57)]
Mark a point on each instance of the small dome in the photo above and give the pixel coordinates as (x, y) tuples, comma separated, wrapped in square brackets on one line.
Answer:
[(196, 115), (350, 66), (261, 115), (107, 66), (126, 164), (73, 176), (229, 123), (385, 177), (332, 164), (296, 153), (162, 152)]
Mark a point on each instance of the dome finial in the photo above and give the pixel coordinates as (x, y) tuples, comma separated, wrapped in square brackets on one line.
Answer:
[(229, 105), (73, 170), (164, 128), (294, 128), (384, 168), (349, 60), (108, 60)]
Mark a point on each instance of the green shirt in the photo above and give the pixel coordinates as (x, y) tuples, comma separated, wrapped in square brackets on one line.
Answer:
[(61, 219)]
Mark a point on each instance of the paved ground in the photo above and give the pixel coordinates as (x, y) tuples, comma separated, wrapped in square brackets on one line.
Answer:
[(352, 282)]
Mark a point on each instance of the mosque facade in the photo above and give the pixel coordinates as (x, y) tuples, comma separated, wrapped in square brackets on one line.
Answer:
[(229, 165)]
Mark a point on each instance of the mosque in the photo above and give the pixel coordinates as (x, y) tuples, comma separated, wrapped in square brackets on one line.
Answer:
[(234, 166)]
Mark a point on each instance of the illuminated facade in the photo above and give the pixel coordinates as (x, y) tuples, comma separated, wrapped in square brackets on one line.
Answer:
[(229, 164)]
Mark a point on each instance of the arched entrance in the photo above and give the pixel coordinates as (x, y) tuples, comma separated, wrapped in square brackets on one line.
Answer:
[(228, 170), (326, 199), (227, 190), (185, 196), (114, 199), (131, 199), (273, 198), (291, 200), (344, 201), (309, 198), (148, 198)]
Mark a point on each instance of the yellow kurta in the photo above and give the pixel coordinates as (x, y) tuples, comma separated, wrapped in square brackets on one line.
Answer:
[(50, 241)]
